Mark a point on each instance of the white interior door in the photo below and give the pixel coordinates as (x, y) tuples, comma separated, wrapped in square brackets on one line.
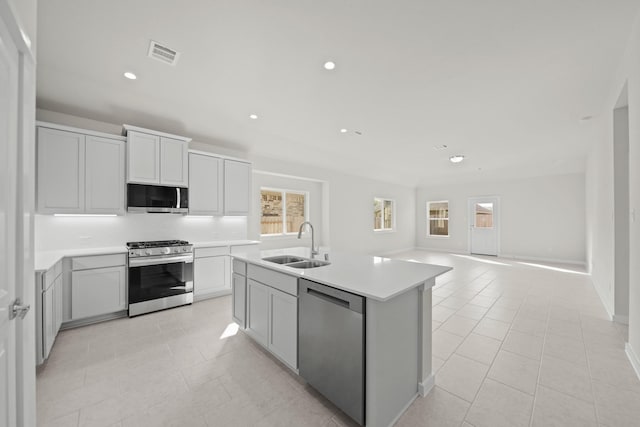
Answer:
[(9, 84), (484, 225)]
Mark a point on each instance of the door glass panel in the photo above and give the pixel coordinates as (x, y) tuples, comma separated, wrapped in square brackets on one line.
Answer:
[(484, 215)]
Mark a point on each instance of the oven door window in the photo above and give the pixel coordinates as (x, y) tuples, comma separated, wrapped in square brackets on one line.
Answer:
[(158, 281)]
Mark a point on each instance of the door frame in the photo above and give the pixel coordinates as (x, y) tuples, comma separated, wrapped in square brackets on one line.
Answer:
[(496, 219)]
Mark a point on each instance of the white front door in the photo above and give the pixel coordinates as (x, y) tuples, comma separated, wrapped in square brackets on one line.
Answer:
[(9, 84), (484, 225)]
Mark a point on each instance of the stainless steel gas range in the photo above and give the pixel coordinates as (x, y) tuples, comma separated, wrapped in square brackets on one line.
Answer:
[(160, 275)]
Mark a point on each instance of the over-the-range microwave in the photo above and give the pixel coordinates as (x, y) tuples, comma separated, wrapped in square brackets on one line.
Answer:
[(157, 199)]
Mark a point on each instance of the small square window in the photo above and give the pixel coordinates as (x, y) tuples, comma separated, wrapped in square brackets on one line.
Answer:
[(438, 219), (383, 214)]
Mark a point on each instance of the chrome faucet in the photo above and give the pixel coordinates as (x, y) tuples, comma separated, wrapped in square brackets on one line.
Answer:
[(314, 251)]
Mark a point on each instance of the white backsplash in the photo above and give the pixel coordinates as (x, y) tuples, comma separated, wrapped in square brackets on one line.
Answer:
[(54, 233)]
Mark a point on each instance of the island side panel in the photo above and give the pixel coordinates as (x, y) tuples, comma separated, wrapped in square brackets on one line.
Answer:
[(393, 357), (426, 377)]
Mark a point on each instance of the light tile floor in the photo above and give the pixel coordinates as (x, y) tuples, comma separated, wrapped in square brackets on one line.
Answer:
[(514, 345)]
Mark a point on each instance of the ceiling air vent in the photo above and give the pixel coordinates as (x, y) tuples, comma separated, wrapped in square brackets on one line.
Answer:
[(163, 53)]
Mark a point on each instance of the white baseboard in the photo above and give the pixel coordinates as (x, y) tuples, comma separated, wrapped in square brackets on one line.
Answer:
[(427, 385), (603, 299), (633, 358), (394, 252), (214, 294), (450, 251), (621, 319)]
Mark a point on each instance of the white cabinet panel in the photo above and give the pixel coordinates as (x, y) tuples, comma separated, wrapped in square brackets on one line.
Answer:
[(174, 163), (98, 291), (104, 178), (206, 178), (60, 171), (211, 275), (57, 309), (283, 326), (143, 158), (239, 293), (258, 311), (237, 187)]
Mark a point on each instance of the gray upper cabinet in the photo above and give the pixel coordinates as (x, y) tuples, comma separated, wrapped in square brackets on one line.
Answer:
[(157, 158), (104, 175), (237, 187), (206, 186), (143, 158), (60, 171), (79, 172)]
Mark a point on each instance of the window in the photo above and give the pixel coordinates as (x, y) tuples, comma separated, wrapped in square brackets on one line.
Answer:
[(484, 215), (438, 219), (283, 211), (383, 215)]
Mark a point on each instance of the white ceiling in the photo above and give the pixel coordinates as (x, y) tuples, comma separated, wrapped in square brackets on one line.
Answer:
[(503, 82)]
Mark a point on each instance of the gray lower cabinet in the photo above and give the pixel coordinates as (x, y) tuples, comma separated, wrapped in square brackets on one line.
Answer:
[(239, 295), (98, 285), (271, 313), (49, 300)]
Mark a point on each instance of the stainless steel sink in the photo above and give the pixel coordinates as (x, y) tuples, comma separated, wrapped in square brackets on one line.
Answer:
[(284, 259), (310, 263)]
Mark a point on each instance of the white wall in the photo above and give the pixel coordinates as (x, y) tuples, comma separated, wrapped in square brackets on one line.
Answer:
[(342, 208), (541, 218), (600, 191)]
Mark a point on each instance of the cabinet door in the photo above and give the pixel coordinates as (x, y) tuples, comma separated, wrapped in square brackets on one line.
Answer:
[(237, 187), (239, 304), (211, 275), (283, 326), (258, 311), (174, 162), (60, 171), (57, 308), (206, 178), (104, 177), (48, 320), (143, 158), (98, 291)]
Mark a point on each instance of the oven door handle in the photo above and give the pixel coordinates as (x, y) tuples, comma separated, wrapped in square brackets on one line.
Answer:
[(141, 262)]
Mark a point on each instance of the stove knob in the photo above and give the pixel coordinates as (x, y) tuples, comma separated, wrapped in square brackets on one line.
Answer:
[(148, 252), (185, 249), (166, 251)]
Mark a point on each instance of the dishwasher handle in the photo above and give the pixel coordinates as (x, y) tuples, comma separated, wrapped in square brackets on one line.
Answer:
[(332, 295)]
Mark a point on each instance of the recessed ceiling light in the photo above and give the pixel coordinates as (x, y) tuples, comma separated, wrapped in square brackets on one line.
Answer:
[(253, 116), (357, 132), (456, 159), (440, 147), (130, 75), (343, 130), (586, 118), (329, 65)]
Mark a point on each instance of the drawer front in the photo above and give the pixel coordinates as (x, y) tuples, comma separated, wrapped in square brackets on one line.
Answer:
[(275, 279), (240, 267), (245, 249), (99, 261), (217, 251)]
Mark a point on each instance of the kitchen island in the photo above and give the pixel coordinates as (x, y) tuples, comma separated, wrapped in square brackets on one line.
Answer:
[(396, 312)]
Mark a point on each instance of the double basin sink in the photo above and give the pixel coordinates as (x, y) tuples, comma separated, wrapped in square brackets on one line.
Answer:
[(296, 261)]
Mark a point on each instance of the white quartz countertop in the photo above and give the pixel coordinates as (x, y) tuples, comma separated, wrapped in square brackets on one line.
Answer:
[(373, 277), (44, 260)]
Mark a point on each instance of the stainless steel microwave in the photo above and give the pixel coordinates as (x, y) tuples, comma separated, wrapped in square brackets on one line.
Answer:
[(157, 199)]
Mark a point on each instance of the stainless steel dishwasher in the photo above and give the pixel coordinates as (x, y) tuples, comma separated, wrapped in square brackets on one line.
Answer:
[(331, 345)]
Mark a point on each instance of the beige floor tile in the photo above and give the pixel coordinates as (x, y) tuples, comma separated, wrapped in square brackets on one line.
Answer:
[(566, 349), (508, 302), (555, 409), (454, 302), (501, 313), (69, 420), (441, 313), (436, 363), (498, 405), (445, 343), (529, 325), (564, 329), (435, 325), (461, 376), (472, 311), (492, 328), (459, 325), (516, 371), (483, 301), (524, 344), (566, 377), (617, 406), (438, 409), (480, 348)]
